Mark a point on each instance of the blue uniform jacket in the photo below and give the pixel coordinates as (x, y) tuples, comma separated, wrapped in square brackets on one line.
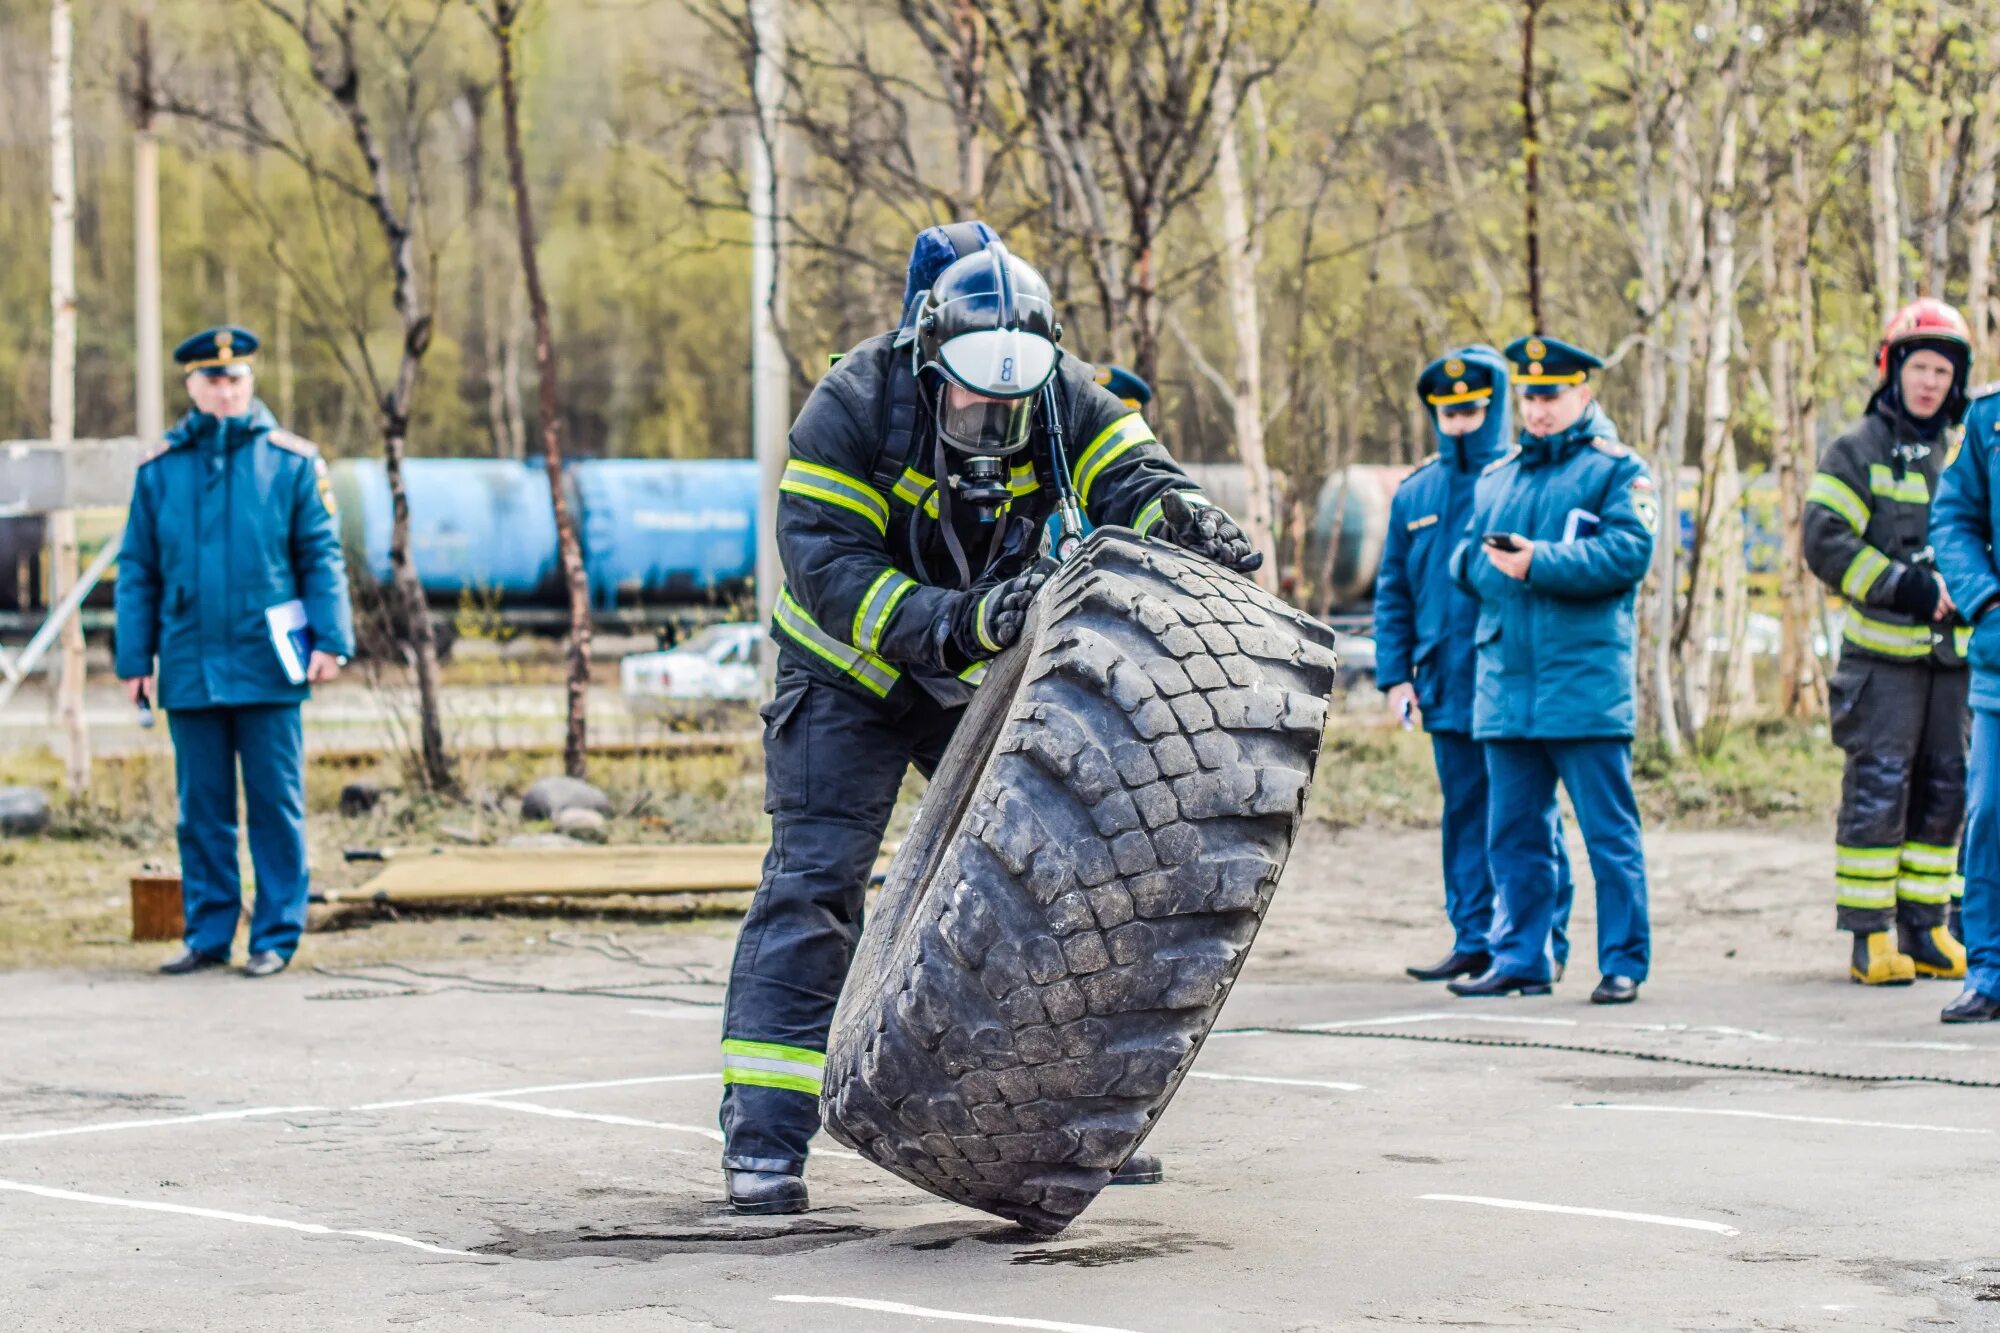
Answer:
[(1555, 652), (1963, 521), (229, 519), (1423, 620)]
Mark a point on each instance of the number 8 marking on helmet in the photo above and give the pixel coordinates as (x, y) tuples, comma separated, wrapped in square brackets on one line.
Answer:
[(1006, 370)]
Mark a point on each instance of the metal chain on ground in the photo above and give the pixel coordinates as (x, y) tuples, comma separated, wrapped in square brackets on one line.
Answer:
[(491, 986), (1656, 1057)]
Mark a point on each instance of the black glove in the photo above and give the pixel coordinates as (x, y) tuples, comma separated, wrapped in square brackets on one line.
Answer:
[(1915, 593), (1208, 531), (988, 622)]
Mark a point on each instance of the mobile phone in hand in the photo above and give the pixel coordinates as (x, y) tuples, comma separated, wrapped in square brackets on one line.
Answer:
[(1501, 541)]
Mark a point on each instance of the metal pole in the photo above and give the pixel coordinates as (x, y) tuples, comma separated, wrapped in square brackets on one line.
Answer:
[(16, 669), (149, 392), (770, 404)]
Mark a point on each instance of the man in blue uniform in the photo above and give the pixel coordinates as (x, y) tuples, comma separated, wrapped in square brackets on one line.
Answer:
[(910, 521), (1963, 523), (232, 518), (1423, 639), (1560, 538)]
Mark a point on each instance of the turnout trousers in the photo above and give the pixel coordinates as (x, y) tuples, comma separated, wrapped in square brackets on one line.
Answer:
[(1468, 873), (1982, 859), (268, 743), (833, 764), (1597, 774), (1904, 726)]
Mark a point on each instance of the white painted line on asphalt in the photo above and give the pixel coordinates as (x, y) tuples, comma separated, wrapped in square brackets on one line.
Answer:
[(1670, 1029), (564, 1113), (110, 1125), (677, 1014), (953, 1316), (221, 1215), (1288, 1082), (1527, 1206), (1770, 1115), (545, 1087)]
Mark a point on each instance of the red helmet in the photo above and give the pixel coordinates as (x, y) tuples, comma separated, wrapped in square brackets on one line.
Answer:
[(1924, 320)]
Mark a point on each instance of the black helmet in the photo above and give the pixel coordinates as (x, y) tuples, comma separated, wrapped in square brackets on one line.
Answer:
[(989, 331)]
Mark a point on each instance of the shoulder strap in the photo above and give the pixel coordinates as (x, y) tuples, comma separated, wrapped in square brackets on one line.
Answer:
[(902, 412)]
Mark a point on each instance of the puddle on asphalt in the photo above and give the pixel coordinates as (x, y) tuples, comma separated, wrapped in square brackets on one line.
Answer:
[(702, 1229), (1103, 1254), (1615, 1083)]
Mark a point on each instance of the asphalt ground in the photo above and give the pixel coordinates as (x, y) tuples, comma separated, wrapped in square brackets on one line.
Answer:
[(289, 1154)]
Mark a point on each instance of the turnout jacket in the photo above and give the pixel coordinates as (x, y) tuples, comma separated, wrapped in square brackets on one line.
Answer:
[(1867, 528), (232, 517), (1555, 650), (1963, 523), (870, 583), (1423, 622)]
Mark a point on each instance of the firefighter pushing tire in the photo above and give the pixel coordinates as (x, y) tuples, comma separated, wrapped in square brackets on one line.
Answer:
[(1058, 933)]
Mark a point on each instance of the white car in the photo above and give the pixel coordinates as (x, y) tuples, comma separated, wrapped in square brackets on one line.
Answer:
[(718, 663)]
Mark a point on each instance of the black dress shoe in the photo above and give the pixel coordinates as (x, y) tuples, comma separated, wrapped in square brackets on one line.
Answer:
[(1971, 1007), (1615, 989), (1141, 1168), (191, 961), (1455, 964), (266, 963), (1495, 982), (765, 1192)]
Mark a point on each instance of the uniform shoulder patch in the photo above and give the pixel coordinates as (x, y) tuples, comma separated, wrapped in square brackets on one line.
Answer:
[(1502, 461), (294, 444), (1611, 448), (160, 449), (1426, 463)]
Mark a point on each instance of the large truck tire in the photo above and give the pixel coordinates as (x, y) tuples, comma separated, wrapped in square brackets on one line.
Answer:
[(1092, 860)]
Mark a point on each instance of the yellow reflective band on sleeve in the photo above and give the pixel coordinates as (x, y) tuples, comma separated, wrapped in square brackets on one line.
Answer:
[(876, 675), (769, 1065), (1154, 513), (1961, 640), (832, 487), (1126, 433), (1879, 636), (1911, 489), (974, 675), (1021, 481), (1837, 495), (913, 486), (1863, 572), (871, 618)]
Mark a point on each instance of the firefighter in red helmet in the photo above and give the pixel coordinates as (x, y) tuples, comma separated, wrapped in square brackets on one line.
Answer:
[(1899, 695)]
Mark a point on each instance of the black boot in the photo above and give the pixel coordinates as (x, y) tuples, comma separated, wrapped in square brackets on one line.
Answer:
[(1455, 964), (190, 961), (1971, 1007), (765, 1192), (1141, 1168), (1615, 989), (1493, 982)]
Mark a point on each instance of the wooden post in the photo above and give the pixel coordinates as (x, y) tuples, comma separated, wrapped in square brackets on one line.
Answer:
[(62, 383)]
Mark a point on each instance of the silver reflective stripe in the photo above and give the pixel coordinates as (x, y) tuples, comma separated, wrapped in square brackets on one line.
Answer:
[(874, 673), (871, 618), (772, 1066)]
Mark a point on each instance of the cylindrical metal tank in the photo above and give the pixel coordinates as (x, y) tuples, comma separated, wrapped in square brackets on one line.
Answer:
[(484, 525), (658, 530), (1352, 518)]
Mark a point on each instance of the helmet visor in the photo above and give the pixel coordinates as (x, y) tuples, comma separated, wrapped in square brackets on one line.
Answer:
[(1002, 363), (975, 424)]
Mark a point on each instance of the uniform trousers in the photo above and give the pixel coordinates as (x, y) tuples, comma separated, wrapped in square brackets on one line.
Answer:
[(1468, 873), (268, 744)]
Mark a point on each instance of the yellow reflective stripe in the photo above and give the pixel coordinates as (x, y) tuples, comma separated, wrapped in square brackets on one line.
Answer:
[(913, 486), (1867, 862), (979, 626), (1961, 639), (974, 675), (1121, 435), (768, 1065), (1910, 489), (1881, 637), (873, 673), (1154, 513), (836, 488), (1021, 480), (1923, 889), (871, 618), (1929, 858), (1864, 894), (1837, 495), (1863, 572)]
